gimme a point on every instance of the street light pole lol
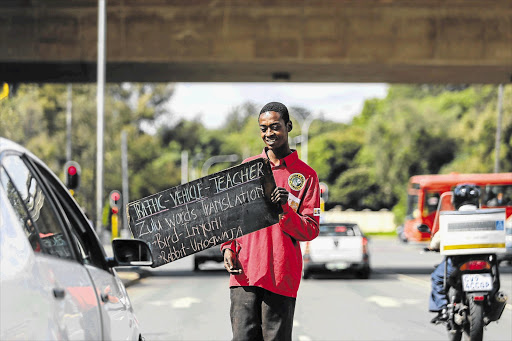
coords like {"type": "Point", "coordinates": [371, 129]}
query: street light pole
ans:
{"type": "Point", "coordinates": [100, 106]}
{"type": "Point", "coordinates": [498, 131]}
{"type": "Point", "coordinates": [304, 135]}
{"type": "Point", "coordinates": [216, 159]}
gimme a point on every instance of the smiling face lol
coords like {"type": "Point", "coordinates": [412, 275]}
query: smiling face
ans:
{"type": "Point", "coordinates": [274, 132]}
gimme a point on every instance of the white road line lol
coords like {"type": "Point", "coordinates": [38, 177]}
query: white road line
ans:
{"type": "Point", "coordinates": [405, 278]}
{"type": "Point", "coordinates": [184, 302]}
{"type": "Point", "coordinates": [304, 338]}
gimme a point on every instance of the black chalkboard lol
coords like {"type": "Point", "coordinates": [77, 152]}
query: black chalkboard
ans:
{"type": "Point", "coordinates": [195, 216]}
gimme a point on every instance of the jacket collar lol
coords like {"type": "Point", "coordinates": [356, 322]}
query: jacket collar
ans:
{"type": "Point", "coordinates": [287, 160]}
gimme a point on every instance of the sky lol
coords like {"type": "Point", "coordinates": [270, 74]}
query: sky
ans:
{"type": "Point", "coordinates": [213, 101]}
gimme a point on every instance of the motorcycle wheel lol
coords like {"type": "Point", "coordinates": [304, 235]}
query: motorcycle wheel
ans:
{"type": "Point", "coordinates": [474, 331]}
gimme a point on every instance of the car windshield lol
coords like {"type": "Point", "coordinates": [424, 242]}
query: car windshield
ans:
{"type": "Point", "coordinates": [338, 230]}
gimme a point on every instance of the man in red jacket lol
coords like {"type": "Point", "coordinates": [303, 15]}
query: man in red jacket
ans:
{"type": "Point", "coordinates": [266, 265]}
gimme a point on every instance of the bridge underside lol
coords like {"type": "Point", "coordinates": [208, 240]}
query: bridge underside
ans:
{"type": "Point", "coordinates": [254, 72]}
{"type": "Point", "coordinates": [395, 41]}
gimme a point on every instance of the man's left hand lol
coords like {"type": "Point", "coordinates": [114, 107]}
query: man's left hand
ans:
{"type": "Point", "coordinates": [279, 196]}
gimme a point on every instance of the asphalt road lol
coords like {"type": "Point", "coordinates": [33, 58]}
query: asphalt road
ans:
{"type": "Point", "coordinates": [174, 303]}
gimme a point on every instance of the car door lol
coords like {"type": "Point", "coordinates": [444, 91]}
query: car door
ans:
{"type": "Point", "coordinates": [74, 308]}
{"type": "Point", "coordinates": [118, 319]}
{"type": "Point", "coordinates": [25, 303]}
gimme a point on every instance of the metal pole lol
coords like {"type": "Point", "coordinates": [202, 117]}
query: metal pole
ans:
{"type": "Point", "coordinates": [498, 130]}
{"type": "Point", "coordinates": [68, 123]}
{"type": "Point", "coordinates": [100, 106]}
{"type": "Point", "coordinates": [305, 137]}
{"type": "Point", "coordinates": [126, 197]}
{"type": "Point", "coordinates": [216, 159]}
{"type": "Point", "coordinates": [184, 167]}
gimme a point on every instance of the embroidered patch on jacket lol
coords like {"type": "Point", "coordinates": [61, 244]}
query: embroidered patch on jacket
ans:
{"type": "Point", "coordinates": [293, 201]}
{"type": "Point", "coordinates": [316, 212]}
{"type": "Point", "coordinates": [296, 181]}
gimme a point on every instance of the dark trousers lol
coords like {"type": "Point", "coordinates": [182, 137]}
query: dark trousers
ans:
{"type": "Point", "coordinates": [438, 299]}
{"type": "Point", "coordinates": [258, 314]}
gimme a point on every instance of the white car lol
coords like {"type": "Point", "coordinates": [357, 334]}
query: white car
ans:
{"type": "Point", "coordinates": [56, 282]}
{"type": "Point", "coordinates": [339, 247]}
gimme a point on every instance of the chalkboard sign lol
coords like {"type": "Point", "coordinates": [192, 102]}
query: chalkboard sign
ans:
{"type": "Point", "coordinates": [195, 216]}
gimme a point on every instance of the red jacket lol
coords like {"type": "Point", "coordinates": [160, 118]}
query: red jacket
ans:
{"type": "Point", "coordinates": [271, 258]}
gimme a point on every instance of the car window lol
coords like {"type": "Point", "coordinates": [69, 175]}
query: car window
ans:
{"type": "Point", "coordinates": [20, 210]}
{"type": "Point", "coordinates": [337, 230]}
{"type": "Point", "coordinates": [82, 234]}
{"type": "Point", "coordinates": [40, 215]}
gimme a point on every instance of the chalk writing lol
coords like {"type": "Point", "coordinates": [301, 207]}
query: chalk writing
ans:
{"type": "Point", "coordinates": [206, 212]}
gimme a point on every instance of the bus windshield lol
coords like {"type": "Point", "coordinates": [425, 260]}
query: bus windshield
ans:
{"type": "Point", "coordinates": [494, 195]}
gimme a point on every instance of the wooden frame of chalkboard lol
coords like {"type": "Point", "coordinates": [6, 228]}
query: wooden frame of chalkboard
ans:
{"type": "Point", "coordinates": [209, 211]}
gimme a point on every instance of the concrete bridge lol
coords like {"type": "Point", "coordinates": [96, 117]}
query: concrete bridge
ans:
{"type": "Point", "coordinates": [408, 41]}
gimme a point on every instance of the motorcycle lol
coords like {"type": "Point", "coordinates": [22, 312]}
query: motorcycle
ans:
{"type": "Point", "coordinates": [473, 287]}
{"type": "Point", "coordinates": [474, 296]}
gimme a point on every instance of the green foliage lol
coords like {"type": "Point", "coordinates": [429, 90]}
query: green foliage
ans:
{"type": "Point", "coordinates": [415, 129]}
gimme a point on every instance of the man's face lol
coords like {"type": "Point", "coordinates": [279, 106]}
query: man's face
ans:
{"type": "Point", "coordinates": [273, 130]}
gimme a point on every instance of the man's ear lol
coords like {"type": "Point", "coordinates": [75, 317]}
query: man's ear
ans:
{"type": "Point", "coordinates": [290, 126]}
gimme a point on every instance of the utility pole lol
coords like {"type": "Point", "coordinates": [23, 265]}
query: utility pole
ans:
{"type": "Point", "coordinates": [184, 167]}
{"type": "Point", "coordinates": [69, 107]}
{"type": "Point", "coordinates": [498, 130]}
{"type": "Point", "coordinates": [100, 107]}
{"type": "Point", "coordinates": [124, 165]}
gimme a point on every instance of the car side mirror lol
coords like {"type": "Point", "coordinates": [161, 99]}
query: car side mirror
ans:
{"type": "Point", "coordinates": [131, 252]}
{"type": "Point", "coordinates": [424, 228]}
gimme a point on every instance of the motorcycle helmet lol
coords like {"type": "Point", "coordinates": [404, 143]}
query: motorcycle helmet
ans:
{"type": "Point", "coordinates": [466, 194]}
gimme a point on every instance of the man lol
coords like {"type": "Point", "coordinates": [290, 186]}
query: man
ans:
{"type": "Point", "coordinates": [466, 197]}
{"type": "Point", "coordinates": [266, 265]}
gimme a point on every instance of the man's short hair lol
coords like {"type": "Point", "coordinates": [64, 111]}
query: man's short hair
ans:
{"type": "Point", "coordinates": [277, 107]}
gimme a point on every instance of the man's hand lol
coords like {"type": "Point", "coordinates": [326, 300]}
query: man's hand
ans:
{"type": "Point", "coordinates": [230, 262]}
{"type": "Point", "coordinates": [279, 196]}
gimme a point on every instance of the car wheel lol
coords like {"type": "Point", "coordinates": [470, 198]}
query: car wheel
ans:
{"type": "Point", "coordinates": [306, 275]}
{"type": "Point", "coordinates": [363, 274]}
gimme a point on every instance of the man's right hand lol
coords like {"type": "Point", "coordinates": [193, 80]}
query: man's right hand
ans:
{"type": "Point", "coordinates": [230, 262]}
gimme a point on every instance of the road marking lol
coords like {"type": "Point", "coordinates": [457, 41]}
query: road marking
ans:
{"type": "Point", "coordinates": [184, 302]}
{"type": "Point", "coordinates": [304, 338]}
{"type": "Point", "coordinates": [385, 302]}
{"type": "Point", "coordinates": [420, 282]}
{"type": "Point", "coordinates": [390, 302]}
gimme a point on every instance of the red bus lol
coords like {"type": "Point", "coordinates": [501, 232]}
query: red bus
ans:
{"type": "Point", "coordinates": [423, 192]}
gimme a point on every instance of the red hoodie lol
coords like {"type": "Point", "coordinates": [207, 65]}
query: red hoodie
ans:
{"type": "Point", "coordinates": [271, 258]}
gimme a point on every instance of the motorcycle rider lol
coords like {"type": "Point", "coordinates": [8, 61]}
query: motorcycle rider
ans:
{"type": "Point", "coordinates": [466, 197]}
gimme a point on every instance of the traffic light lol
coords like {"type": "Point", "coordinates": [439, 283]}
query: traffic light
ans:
{"type": "Point", "coordinates": [72, 172]}
{"type": "Point", "coordinates": [115, 201]}
{"type": "Point", "coordinates": [324, 191]}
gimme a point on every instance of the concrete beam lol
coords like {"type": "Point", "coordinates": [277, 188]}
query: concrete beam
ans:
{"type": "Point", "coordinates": [396, 41]}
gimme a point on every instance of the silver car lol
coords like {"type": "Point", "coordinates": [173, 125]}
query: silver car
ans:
{"type": "Point", "coordinates": [56, 282]}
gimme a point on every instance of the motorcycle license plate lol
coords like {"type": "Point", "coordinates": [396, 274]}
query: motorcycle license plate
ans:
{"type": "Point", "coordinates": [476, 282]}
